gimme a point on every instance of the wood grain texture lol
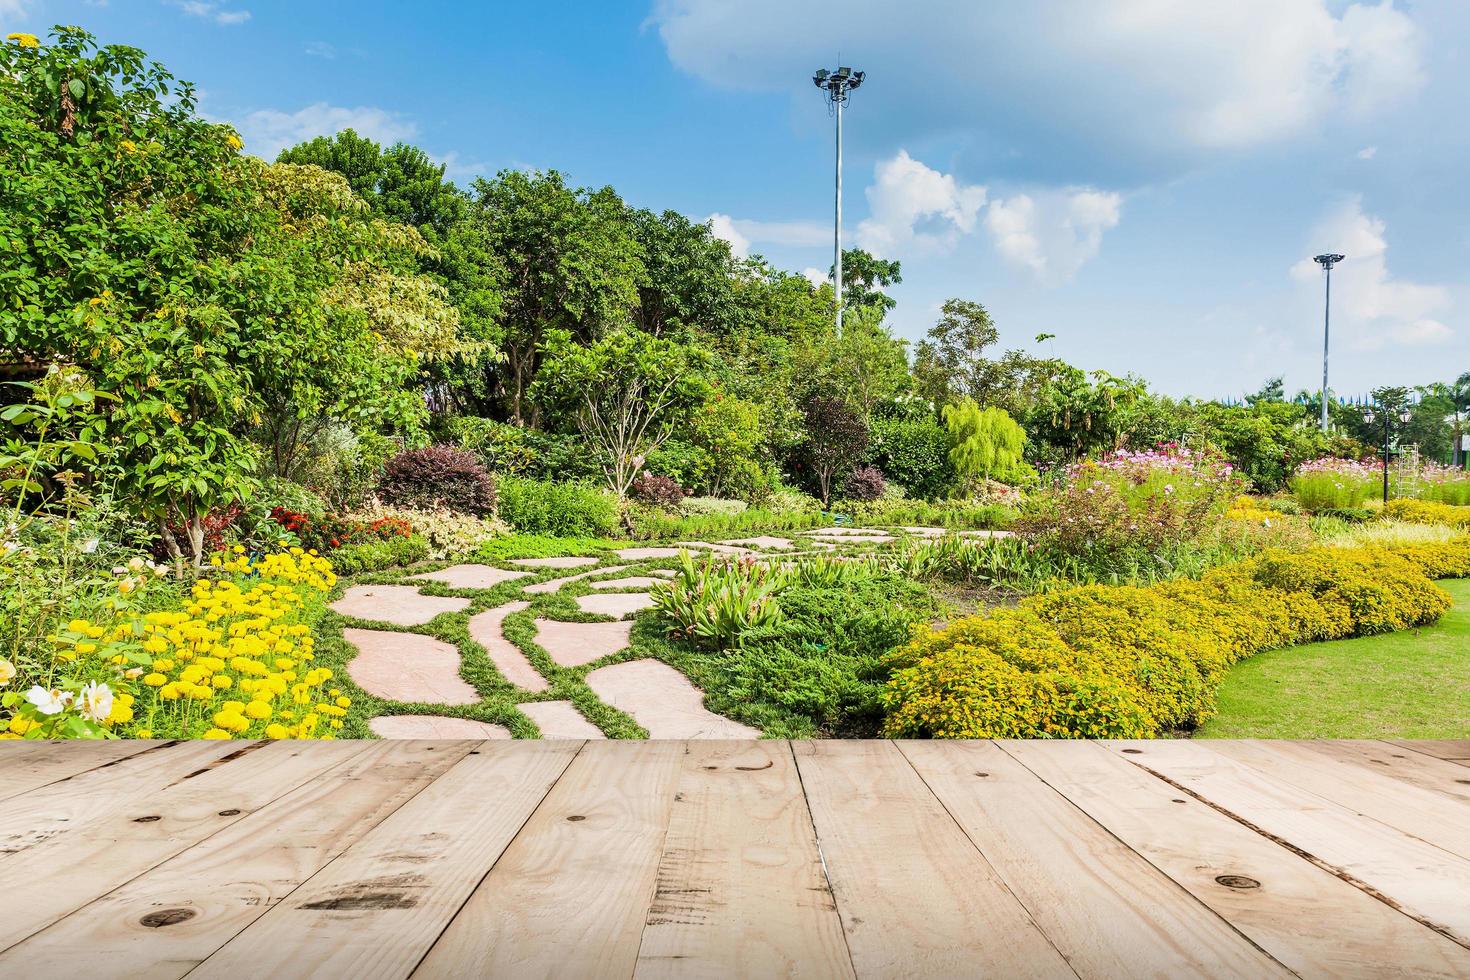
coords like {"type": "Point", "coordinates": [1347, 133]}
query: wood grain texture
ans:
{"type": "Point", "coordinates": [1313, 922]}
{"type": "Point", "coordinates": [570, 896]}
{"type": "Point", "coordinates": [25, 766]}
{"type": "Point", "coordinates": [916, 897]}
{"type": "Point", "coordinates": [377, 909]}
{"type": "Point", "coordinates": [740, 844]}
{"type": "Point", "coordinates": [1453, 749]}
{"type": "Point", "coordinates": [1405, 765]}
{"type": "Point", "coordinates": [1107, 910]}
{"type": "Point", "coordinates": [231, 879]}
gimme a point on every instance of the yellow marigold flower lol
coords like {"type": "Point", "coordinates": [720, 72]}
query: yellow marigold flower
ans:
{"type": "Point", "coordinates": [259, 710]}
{"type": "Point", "coordinates": [170, 692]}
{"type": "Point", "coordinates": [120, 714]}
{"type": "Point", "coordinates": [276, 731]}
{"type": "Point", "coordinates": [217, 733]}
{"type": "Point", "coordinates": [24, 40]}
{"type": "Point", "coordinates": [78, 625]}
{"type": "Point", "coordinates": [20, 726]}
{"type": "Point", "coordinates": [235, 142]}
{"type": "Point", "coordinates": [143, 733]}
{"type": "Point", "coordinates": [201, 693]}
{"type": "Point", "coordinates": [222, 682]}
{"type": "Point", "coordinates": [155, 679]}
{"type": "Point", "coordinates": [344, 702]}
{"type": "Point", "coordinates": [85, 648]}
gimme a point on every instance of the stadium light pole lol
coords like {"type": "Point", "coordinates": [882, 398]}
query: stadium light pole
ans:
{"type": "Point", "coordinates": [1326, 261]}
{"type": "Point", "coordinates": [837, 84]}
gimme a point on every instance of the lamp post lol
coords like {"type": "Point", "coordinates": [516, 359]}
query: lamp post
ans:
{"type": "Point", "coordinates": [1326, 261]}
{"type": "Point", "coordinates": [837, 84]}
{"type": "Point", "coordinates": [1404, 415]}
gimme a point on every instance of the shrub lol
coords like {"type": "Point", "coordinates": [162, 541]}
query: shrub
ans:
{"type": "Point", "coordinates": [864, 483]}
{"type": "Point", "coordinates": [374, 556]}
{"type": "Point", "coordinates": [714, 602]}
{"type": "Point", "coordinates": [648, 524]}
{"type": "Point", "coordinates": [914, 453]}
{"type": "Point", "coordinates": [446, 533]}
{"type": "Point", "coordinates": [539, 546]}
{"type": "Point", "coordinates": [438, 476]}
{"type": "Point", "coordinates": [500, 446]}
{"type": "Point", "coordinates": [285, 495]}
{"type": "Point", "coordinates": [656, 491]}
{"type": "Point", "coordinates": [1125, 661]}
{"type": "Point", "coordinates": [1427, 512]}
{"type": "Point", "coordinates": [960, 515]}
{"type": "Point", "coordinates": [837, 437]}
{"type": "Point", "coordinates": [1335, 484]}
{"type": "Point", "coordinates": [329, 532]}
{"type": "Point", "coordinates": [694, 506]}
{"type": "Point", "coordinates": [562, 509]}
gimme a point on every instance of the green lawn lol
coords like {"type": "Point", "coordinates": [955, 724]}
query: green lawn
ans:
{"type": "Point", "coordinates": [1414, 684]}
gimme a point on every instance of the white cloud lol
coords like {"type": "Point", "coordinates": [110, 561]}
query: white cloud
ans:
{"type": "Point", "coordinates": [915, 207]}
{"type": "Point", "coordinates": [14, 8]}
{"type": "Point", "coordinates": [1053, 233]}
{"type": "Point", "coordinates": [1370, 305]}
{"type": "Point", "coordinates": [742, 233]}
{"type": "Point", "coordinates": [1092, 91]}
{"type": "Point", "coordinates": [268, 131]}
{"type": "Point", "coordinates": [320, 49]}
{"type": "Point", "coordinates": [723, 226]}
{"type": "Point", "coordinates": [815, 276]}
{"type": "Point", "coordinates": [1367, 153]}
{"type": "Point", "coordinates": [212, 10]}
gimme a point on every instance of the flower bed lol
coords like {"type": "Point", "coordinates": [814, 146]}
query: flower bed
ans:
{"type": "Point", "coordinates": [1124, 662]}
{"type": "Point", "coordinates": [234, 662]}
{"type": "Point", "coordinates": [1427, 512]}
{"type": "Point", "coordinates": [1336, 484]}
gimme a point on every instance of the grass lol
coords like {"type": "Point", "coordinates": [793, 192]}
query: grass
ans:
{"type": "Point", "coordinates": [1413, 684]}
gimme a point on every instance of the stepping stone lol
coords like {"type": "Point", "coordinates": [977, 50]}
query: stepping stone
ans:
{"type": "Point", "coordinates": [556, 583]}
{"type": "Point", "coordinates": [838, 532]}
{"type": "Point", "coordinates": [663, 701]}
{"type": "Point", "coordinates": [615, 603]}
{"type": "Point", "coordinates": [857, 539]}
{"type": "Point", "coordinates": [723, 549]}
{"type": "Point", "coordinates": [560, 719]}
{"type": "Point", "coordinates": [765, 541]}
{"type": "Point", "coordinates": [433, 726]}
{"type": "Point", "coordinates": [567, 561]}
{"type": "Point", "coordinates": [485, 629]}
{"type": "Point", "coordinates": [927, 532]}
{"type": "Point", "coordinates": [987, 534]}
{"type": "Point", "coordinates": [401, 604]}
{"type": "Point", "coordinates": [470, 576]}
{"type": "Point", "coordinates": [631, 582]}
{"type": "Point", "coordinates": [407, 667]}
{"type": "Point", "coordinates": [575, 644]}
{"type": "Point", "coordinates": [639, 554]}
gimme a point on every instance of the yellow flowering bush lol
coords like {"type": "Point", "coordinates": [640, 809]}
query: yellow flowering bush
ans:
{"type": "Point", "coordinates": [1427, 512]}
{"type": "Point", "coordinates": [1125, 661]}
{"type": "Point", "coordinates": [234, 662]}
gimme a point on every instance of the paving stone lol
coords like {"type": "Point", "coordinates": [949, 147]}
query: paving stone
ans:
{"type": "Point", "coordinates": [987, 534]}
{"type": "Point", "coordinates": [486, 629]}
{"type": "Point", "coordinates": [639, 554]}
{"type": "Point", "coordinates": [407, 667]}
{"type": "Point", "coordinates": [631, 582]}
{"type": "Point", "coordinates": [857, 539]}
{"type": "Point", "coordinates": [765, 541]}
{"type": "Point", "coordinates": [560, 719]}
{"type": "Point", "coordinates": [401, 604]}
{"type": "Point", "coordinates": [615, 603]}
{"type": "Point", "coordinates": [553, 584]}
{"type": "Point", "coordinates": [723, 549]}
{"type": "Point", "coordinates": [574, 644]}
{"type": "Point", "coordinates": [433, 726]}
{"type": "Point", "coordinates": [838, 532]}
{"type": "Point", "coordinates": [927, 532]}
{"type": "Point", "coordinates": [470, 576]}
{"type": "Point", "coordinates": [566, 561]}
{"type": "Point", "coordinates": [663, 701]}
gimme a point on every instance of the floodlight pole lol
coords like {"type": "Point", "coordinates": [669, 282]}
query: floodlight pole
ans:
{"type": "Point", "coordinates": [1326, 261]}
{"type": "Point", "coordinates": [837, 84]}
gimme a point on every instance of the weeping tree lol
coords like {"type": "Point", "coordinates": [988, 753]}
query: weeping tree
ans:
{"type": "Point", "coordinates": [988, 443]}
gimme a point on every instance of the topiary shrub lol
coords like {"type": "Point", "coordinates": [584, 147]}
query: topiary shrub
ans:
{"type": "Point", "coordinates": [864, 483]}
{"type": "Point", "coordinates": [438, 476]}
{"type": "Point", "coordinates": [656, 491]}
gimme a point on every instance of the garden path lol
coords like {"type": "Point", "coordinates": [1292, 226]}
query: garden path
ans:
{"type": "Point", "coordinates": [551, 644]}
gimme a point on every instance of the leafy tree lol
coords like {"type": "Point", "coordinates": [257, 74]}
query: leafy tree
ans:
{"type": "Point", "coordinates": [864, 277]}
{"type": "Point", "coordinates": [951, 363]}
{"type": "Point", "coordinates": [1271, 390]}
{"type": "Point", "coordinates": [1077, 414]}
{"type": "Point", "coordinates": [628, 391]}
{"type": "Point", "coordinates": [912, 450]}
{"type": "Point", "coordinates": [866, 364]}
{"type": "Point", "coordinates": [571, 264]}
{"type": "Point", "coordinates": [731, 435]}
{"type": "Point", "coordinates": [836, 438]}
{"type": "Point", "coordinates": [988, 443]}
{"type": "Point", "coordinates": [689, 275]}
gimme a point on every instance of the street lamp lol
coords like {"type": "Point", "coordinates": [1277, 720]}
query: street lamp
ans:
{"type": "Point", "coordinates": [1404, 415]}
{"type": "Point", "coordinates": [1326, 261]}
{"type": "Point", "coordinates": [837, 84]}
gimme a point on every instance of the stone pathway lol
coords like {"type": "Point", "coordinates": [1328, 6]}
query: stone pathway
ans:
{"type": "Point", "coordinates": [485, 629]}
{"type": "Point", "coordinates": [642, 554]}
{"type": "Point", "coordinates": [575, 644]}
{"type": "Point", "coordinates": [434, 726]}
{"type": "Point", "coordinates": [663, 701]}
{"type": "Point", "coordinates": [765, 541]}
{"type": "Point", "coordinates": [560, 719]}
{"type": "Point", "coordinates": [567, 561]}
{"type": "Point", "coordinates": [631, 582]}
{"type": "Point", "coordinates": [407, 667]}
{"type": "Point", "coordinates": [469, 576]}
{"type": "Point", "coordinates": [615, 603]}
{"type": "Point", "coordinates": [400, 604]}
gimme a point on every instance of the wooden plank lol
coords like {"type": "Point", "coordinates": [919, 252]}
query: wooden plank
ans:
{"type": "Point", "coordinates": [740, 880]}
{"type": "Point", "coordinates": [80, 866]}
{"type": "Point", "coordinates": [218, 887]}
{"type": "Point", "coordinates": [1107, 910]}
{"type": "Point", "coordinates": [28, 765]}
{"type": "Point", "coordinates": [570, 895]}
{"type": "Point", "coordinates": [1406, 765]}
{"type": "Point", "coordinates": [1420, 879]}
{"type": "Point", "coordinates": [1420, 813]}
{"type": "Point", "coordinates": [1305, 917]}
{"type": "Point", "coordinates": [72, 805]}
{"type": "Point", "coordinates": [1449, 749]}
{"type": "Point", "coordinates": [376, 910]}
{"type": "Point", "coordinates": [915, 896]}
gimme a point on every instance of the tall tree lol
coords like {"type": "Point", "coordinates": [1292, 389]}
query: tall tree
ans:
{"type": "Point", "coordinates": [864, 279]}
{"type": "Point", "coordinates": [689, 282]}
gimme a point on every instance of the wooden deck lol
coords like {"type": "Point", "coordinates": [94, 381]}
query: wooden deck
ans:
{"type": "Point", "coordinates": [761, 859]}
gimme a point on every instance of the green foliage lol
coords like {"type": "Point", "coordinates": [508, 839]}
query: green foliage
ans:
{"type": "Point", "coordinates": [1427, 512]}
{"type": "Point", "coordinates": [913, 451]}
{"type": "Point", "coordinates": [987, 443]}
{"type": "Point", "coordinates": [713, 602]}
{"type": "Point", "coordinates": [865, 279]}
{"type": "Point", "coordinates": [655, 525]}
{"type": "Point", "coordinates": [374, 556]}
{"type": "Point", "coordinates": [562, 509]}
{"type": "Point", "coordinates": [960, 515]}
{"type": "Point", "coordinates": [836, 439]}
{"type": "Point", "coordinates": [730, 435]}
{"type": "Point", "coordinates": [502, 448]}
{"type": "Point", "coordinates": [539, 546]}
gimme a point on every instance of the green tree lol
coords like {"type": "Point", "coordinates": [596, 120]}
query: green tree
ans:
{"type": "Point", "coordinates": [732, 437]}
{"type": "Point", "coordinates": [864, 279]}
{"type": "Point", "coordinates": [866, 364]}
{"type": "Point", "coordinates": [988, 443]}
{"type": "Point", "coordinates": [836, 438]}
{"type": "Point", "coordinates": [689, 280]}
{"type": "Point", "coordinates": [628, 391]}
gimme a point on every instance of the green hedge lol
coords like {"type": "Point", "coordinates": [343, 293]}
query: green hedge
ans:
{"type": "Point", "coordinates": [1104, 661]}
{"type": "Point", "coordinates": [561, 509]}
{"type": "Point", "coordinates": [373, 556]}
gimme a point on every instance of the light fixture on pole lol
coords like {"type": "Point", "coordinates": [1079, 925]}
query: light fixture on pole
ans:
{"type": "Point", "coordinates": [837, 84]}
{"type": "Point", "coordinates": [1405, 416]}
{"type": "Point", "coordinates": [1326, 261]}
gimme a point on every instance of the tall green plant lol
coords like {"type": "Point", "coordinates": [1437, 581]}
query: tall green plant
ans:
{"type": "Point", "coordinates": [988, 443]}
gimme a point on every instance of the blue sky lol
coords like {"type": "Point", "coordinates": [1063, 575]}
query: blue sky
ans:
{"type": "Point", "coordinates": [1145, 180]}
